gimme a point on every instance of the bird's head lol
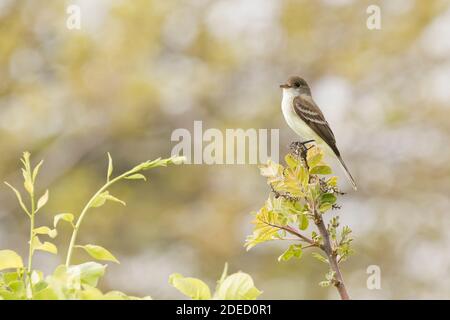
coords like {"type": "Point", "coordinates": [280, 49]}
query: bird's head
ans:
{"type": "Point", "coordinates": [296, 85]}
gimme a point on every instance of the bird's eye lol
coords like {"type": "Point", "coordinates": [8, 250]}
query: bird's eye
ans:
{"type": "Point", "coordinates": [297, 84]}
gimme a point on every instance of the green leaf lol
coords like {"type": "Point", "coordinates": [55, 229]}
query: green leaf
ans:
{"type": "Point", "coordinates": [47, 293]}
{"type": "Point", "coordinates": [42, 201]}
{"type": "Point", "coordinates": [304, 177]}
{"type": "Point", "coordinates": [62, 216]}
{"type": "Point", "coordinates": [36, 170]}
{"type": "Point", "coordinates": [46, 246]}
{"type": "Point", "coordinates": [52, 233]}
{"type": "Point", "coordinates": [41, 285]}
{"type": "Point", "coordinates": [89, 272]}
{"type": "Point", "coordinates": [19, 197]}
{"type": "Point", "coordinates": [320, 257]}
{"type": "Point", "coordinates": [110, 167]}
{"type": "Point", "coordinates": [238, 286]}
{"type": "Point", "coordinates": [136, 176]}
{"type": "Point", "coordinates": [291, 161]}
{"type": "Point", "coordinates": [303, 222]}
{"type": "Point", "coordinates": [18, 288]}
{"type": "Point", "coordinates": [9, 295]}
{"type": "Point", "coordinates": [91, 293]}
{"type": "Point", "coordinates": [117, 295]}
{"type": "Point", "coordinates": [148, 164]}
{"type": "Point", "coordinates": [28, 185]}
{"type": "Point", "coordinates": [69, 282]}
{"type": "Point", "coordinates": [8, 277]}
{"type": "Point", "coordinates": [9, 260]}
{"type": "Point", "coordinates": [332, 182]}
{"type": "Point", "coordinates": [294, 251]}
{"type": "Point", "coordinates": [14, 291]}
{"type": "Point", "coordinates": [321, 170]}
{"type": "Point", "coordinates": [26, 172]}
{"type": "Point", "coordinates": [112, 198]}
{"type": "Point", "coordinates": [99, 253]}
{"type": "Point", "coordinates": [263, 231]}
{"type": "Point", "coordinates": [324, 207]}
{"type": "Point", "coordinates": [101, 199]}
{"type": "Point", "coordinates": [328, 198]}
{"type": "Point", "coordinates": [190, 287]}
{"type": "Point", "coordinates": [315, 159]}
{"type": "Point", "coordinates": [159, 163]}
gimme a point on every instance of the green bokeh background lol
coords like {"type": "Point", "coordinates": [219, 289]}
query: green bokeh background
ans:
{"type": "Point", "coordinates": [139, 69]}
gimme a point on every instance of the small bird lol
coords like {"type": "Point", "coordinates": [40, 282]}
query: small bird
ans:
{"type": "Point", "coordinates": [306, 119]}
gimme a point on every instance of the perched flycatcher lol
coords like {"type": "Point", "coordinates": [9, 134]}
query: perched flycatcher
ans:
{"type": "Point", "coordinates": [304, 117]}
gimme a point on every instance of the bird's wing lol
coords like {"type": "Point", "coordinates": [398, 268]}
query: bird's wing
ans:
{"type": "Point", "coordinates": [310, 113]}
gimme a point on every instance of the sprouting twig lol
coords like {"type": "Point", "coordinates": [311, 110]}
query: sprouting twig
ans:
{"type": "Point", "coordinates": [293, 231]}
{"type": "Point", "coordinates": [286, 196]}
{"type": "Point", "coordinates": [304, 195]}
{"type": "Point", "coordinates": [327, 247]}
{"type": "Point", "coordinates": [332, 256]}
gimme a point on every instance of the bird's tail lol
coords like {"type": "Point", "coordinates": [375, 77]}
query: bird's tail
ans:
{"type": "Point", "coordinates": [347, 172]}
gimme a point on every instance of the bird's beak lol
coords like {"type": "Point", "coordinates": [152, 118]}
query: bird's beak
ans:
{"type": "Point", "coordinates": [284, 86]}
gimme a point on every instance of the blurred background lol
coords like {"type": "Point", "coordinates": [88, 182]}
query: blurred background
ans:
{"type": "Point", "coordinates": [137, 70]}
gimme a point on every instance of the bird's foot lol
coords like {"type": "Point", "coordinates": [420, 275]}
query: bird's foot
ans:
{"type": "Point", "coordinates": [299, 147]}
{"type": "Point", "coordinates": [300, 150]}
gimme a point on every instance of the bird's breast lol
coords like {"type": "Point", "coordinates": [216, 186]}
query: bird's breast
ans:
{"type": "Point", "coordinates": [293, 120]}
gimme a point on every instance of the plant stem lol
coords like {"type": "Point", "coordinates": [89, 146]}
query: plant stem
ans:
{"type": "Point", "coordinates": [85, 210]}
{"type": "Point", "coordinates": [293, 232]}
{"type": "Point", "coordinates": [332, 256]}
{"type": "Point", "coordinates": [30, 250]}
{"type": "Point", "coordinates": [327, 246]}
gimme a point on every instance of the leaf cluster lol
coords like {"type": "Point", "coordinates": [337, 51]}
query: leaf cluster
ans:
{"type": "Point", "coordinates": [237, 286]}
{"type": "Point", "coordinates": [301, 193]}
{"type": "Point", "coordinates": [18, 281]}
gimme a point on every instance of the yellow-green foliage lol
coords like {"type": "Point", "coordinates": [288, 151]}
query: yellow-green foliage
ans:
{"type": "Point", "coordinates": [237, 286]}
{"type": "Point", "coordinates": [301, 193]}
{"type": "Point", "coordinates": [67, 281]}
{"type": "Point", "coordinates": [80, 281]}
